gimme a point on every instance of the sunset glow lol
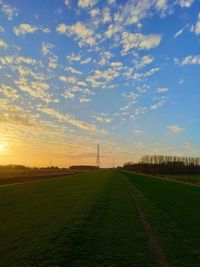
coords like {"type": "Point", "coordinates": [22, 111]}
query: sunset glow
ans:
{"type": "Point", "coordinates": [2, 147]}
{"type": "Point", "coordinates": [122, 74]}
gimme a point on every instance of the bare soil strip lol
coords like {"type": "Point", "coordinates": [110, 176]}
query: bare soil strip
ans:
{"type": "Point", "coordinates": [153, 241]}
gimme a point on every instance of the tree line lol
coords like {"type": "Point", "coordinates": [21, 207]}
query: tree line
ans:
{"type": "Point", "coordinates": [161, 164]}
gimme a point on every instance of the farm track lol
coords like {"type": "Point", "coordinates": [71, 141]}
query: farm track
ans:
{"type": "Point", "coordinates": [153, 240]}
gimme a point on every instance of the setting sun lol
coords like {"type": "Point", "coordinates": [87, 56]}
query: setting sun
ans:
{"type": "Point", "coordinates": [3, 146]}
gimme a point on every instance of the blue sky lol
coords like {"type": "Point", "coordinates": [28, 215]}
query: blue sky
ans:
{"type": "Point", "coordinates": [124, 74]}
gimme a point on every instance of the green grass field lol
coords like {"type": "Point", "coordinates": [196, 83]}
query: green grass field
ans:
{"type": "Point", "coordinates": [173, 210]}
{"type": "Point", "coordinates": [93, 220]}
{"type": "Point", "coordinates": [190, 178]}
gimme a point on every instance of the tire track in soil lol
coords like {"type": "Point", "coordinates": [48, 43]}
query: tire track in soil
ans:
{"type": "Point", "coordinates": [153, 240]}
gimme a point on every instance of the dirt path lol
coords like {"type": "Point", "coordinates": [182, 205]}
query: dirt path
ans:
{"type": "Point", "coordinates": [153, 240]}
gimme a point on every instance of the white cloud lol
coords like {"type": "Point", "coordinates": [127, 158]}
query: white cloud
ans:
{"type": "Point", "coordinates": [67, 3]}
{"type": "Point", "coordinates": [102, 118]}
{"type": "Point", "coordinates": [46, 48]}
{"type": "Point", "coordinates": [116, 64]}
{"type": "Point", "coordinates": [8, 91]}
{"type": "Point", "coordinates": [157, 105]}
{"type": "Point", "coordinates": [107, 75]}
{"type": "Point", "coordinates": [84, 100]}
{"type": "Point", "coordinates": [180, 81]}
{"type": "Point", "coordinates": [196, 28]}
{"type": "Point", "coordinates": [86, 3]}
{"type": "Point", "coordinates": [137, 132]}
{"type": "Point", "coordinates": [3, 44]}
{"type": "Point", "coordinates": [74, 57]}
{"type": "Point", "coordinates": [69, 119]}
{"type": "Point", "coordinates": [73, 70]}
{"type": "Point", "coordinates": [138, 76]}
{"type": "Point", "coordinates": [191, 60]}
{"type": "Point", "coordinates": [94, 12]}
{"type": "Point", "coordinates": [179, 32]}
{"type": "Point", "coordinates": [24, 29]}
{"type": "Point", "coordinates": [68, 79]}
{"type": "Point", "coordinates": [161, 4]}
{"type": "Point", "coordinates": [81, 83]}
{"type": "Point", "coordinates": [105, 58]}
{"type": "Point", "coordinates": [175, 128]}
{"type": "Point", "coordinates": [139, 41]}
{"type": "Point", "coordinates": [144, 61]}
{"type": "Point", "coordinates": [26, 72]}
{"type": "Point", "coordinates": [86, 61]}
{"type": "Point", "coordinates": [85, 35]}
{"type": "Point", "coordinates": [45, 30]}
{"type": "Point", "coordinates": [162, 90]}
{"type": "Point", "coordinates": [17, 60]}
{"type": "Point", "coordinates": [68, 95]}
{"type": "Point", "coordinates": [53, 62]}
{"type": "Point", "coordinates": [185, 3]}
{"type": "Point", "coordinates": [36, 89]}
{"type": "Point", "coordinates": [106, 15]}
{"type": "Point", "coordinates": [9, 11]}
{"type": "Point", "coordinates": [134, 10]}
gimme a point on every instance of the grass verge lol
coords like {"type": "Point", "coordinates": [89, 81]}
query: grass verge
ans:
{"type": "Point", "coordinates": [173, 210]}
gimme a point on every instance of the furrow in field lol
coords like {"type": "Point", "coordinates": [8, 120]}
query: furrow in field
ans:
{"type": "Point", "coordinates": [153, 240]}
{"type": "Point", "coordinates": [173, 211]}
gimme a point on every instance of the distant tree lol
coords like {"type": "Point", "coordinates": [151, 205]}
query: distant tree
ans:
{"type": "Point", "coordinates": [161, 164]}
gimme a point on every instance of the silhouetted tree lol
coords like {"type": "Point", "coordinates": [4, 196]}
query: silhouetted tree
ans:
{"type": "Point", "coordinates": [161, 164]}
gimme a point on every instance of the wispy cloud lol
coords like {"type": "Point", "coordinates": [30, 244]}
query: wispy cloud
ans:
{"type": "Point", "coordinates": [139, 41]}
{"type": "Point", "coordinates": [175, 128]}
{"type": "Point", "coordinates": [86, 3]}
{"type": "Point", "coordinates": [84, 34]}
{"type": "Point", "coordinates": [185, 3]}
{"type": "Point", "coordinates": [191, 60]}
{"type": "Point", "coordinates": [25, 28]}
{"type": "Point", "coordinates": [162, 90]}
{"type": "Point", "coordinates": [196, 27]}
{"type": "Point", "coordinates": [69, 119]}
{"type": "Point", "coordinates": [3, 44]}
{"type": "Point", "coordinates": [9, 11]}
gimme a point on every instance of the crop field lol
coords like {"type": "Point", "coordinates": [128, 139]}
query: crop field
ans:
{"type": "Point", "coordinates": [103, 218]}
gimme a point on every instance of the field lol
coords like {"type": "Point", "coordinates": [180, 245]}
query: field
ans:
{"type": "Point", "coordinates": [9, 176]}
{"type": "Point", "coordinates": [104, 218]}
{"type": "Point", "coordinates": [189, 178]}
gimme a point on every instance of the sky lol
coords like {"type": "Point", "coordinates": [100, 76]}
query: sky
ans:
{"type": "Point", "coordinates": [121, 74]}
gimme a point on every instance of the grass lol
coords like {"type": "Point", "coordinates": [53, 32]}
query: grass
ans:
{"type": "Point", "coordinates": [190, 178]}
{"type": "Point", "coordinates": [17, 176]}
{"type": "Point", "coordinates": [173, 210]}
{"type": "Point", "coordinates": [92, 220]}
{"type": "Point", "coordinates": [80, 220]}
